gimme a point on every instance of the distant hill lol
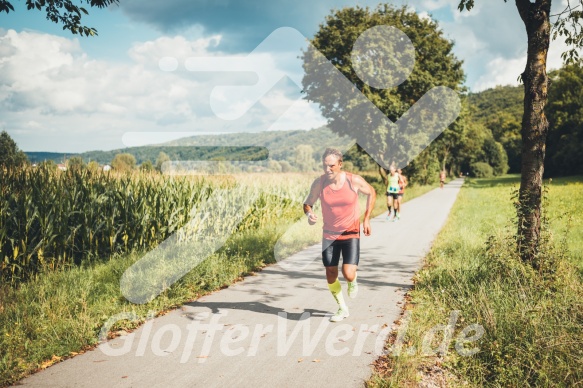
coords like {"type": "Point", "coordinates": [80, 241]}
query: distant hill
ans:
{"type": "Point", "coordinates": [37, 157]}
{"type": "Point", "coordinates": [277, 145]}
{"type": "Point", "coordinates": [180, 152]}
{"type": "Point", "coordinates": [281, 144]}
{"type": "Point", "coordinates": [500, 109]}
{"type": "Point", "coordinates": [489, 103]}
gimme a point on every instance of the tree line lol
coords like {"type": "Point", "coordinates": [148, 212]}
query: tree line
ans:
{"type": "Point", "coordinates": [484, 141]}
{"type": "Point", "coordinates": [500, 110]}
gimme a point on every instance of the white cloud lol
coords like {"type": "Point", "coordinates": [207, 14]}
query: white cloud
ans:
{"type": "Point", "coordinates": [424, 15]}
{"type": "Point", "coordinates": [54, 97]}
{"type": "Point", "coordinates": [489, 31]}
{"type": "Point", "coordinates": [432, 5]}
{"type": "Point", "coordinates": [494, 45]}
{"type": "Point", "coordinates": [491, 39]}
{"type": "Point", "coordinates": [33, 124]}
{"type": "Point", "coordinates": [501, 71]}
{"type": "Point", "coordinates": [554, 60]}
{"type": "Point", "coordinates": [148, 53]}
{"type": "Point", "coordinates": [300, 111]}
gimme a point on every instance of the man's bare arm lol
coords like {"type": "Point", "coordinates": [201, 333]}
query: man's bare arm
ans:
{"type": "Point", "coordinates": [310, 200]}
{"type": "Point", "coordinates": [366, 189]}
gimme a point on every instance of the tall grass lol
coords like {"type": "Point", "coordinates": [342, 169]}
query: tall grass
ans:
{"type": "Point", "coordinates": [533, 319]}
{"type": "Point", "coordinates": [51, 219]}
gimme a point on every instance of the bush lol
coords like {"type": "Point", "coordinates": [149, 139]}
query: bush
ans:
{"type": "Point", "coordinates": [124, 162]}
{"type": "Point", "coordinates": [481, 170]}
{"type": "Point", "coordinates": [496, 156]}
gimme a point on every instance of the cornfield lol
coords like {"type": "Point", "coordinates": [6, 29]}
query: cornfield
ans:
{"type": "Point", "coordinates": [51, 219]}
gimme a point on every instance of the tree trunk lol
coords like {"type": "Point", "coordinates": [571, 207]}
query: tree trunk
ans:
{"type": "Point", "coordinates": [445, 156]}
{"type": "Point", "coordinates": [383, 174]}
{"type": "Point", "coordinates": [534, 125]}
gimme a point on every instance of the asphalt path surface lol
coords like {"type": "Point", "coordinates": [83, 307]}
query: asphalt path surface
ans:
{"type": "Point", "coordinates": [273, 329]}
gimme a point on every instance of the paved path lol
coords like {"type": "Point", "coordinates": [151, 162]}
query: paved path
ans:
{"type": "Point", "coordinates": [272, 329]}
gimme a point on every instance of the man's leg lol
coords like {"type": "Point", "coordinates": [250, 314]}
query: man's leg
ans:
{"type": "Point", "coordinates": [389, 204]}
{"type": "Point", "coordinates": [399, 201]}
{"type": "Point", "coordinates": [350, 258]}
{"type": "Point", "coordinates": [349, 272]}
{"type": "Point", "coordinates": [330, 258]}
{"type": "Point", "coordinates": [331, 274]}
{"type": "Point", "coordinates": [395, 202]}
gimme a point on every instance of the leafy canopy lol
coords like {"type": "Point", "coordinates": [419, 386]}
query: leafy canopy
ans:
{"type": "Point", "coordinates": [347, 113]}
{"type": "Point", "coordinates": [435, 64]}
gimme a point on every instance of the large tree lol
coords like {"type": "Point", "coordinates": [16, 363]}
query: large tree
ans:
{"type": "Point", "coordinates": [432, 65]}
{"type": "Point", "coordinates": [64, 12]}
{"type": "Point", "coordinates": [540, 26]}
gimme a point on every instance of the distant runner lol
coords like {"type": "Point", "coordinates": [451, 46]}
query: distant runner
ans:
{"type": "Point", "coordinates": [338, 194]}
{"type": "Point", "coordinates": [392, 192]}
{"type": "Point", "coordinates": [403, 182]}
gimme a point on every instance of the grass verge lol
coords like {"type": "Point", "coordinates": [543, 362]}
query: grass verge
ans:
{"type": "Point", "coordinates": [60, 314]}
{"type": "Point", "coordinates": [532, 321]}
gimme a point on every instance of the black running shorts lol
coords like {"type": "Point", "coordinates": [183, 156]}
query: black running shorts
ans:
{"type": "Point", "coordinates": [331, 250]}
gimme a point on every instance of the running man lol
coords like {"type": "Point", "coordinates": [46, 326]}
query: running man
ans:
{"type": "Point", "coordinates": [441, 178]}
{"type": "Point", "coordinates": [392, 192]}
{"type": "Point", "coordinates": [338, 194]}
{"type": "Point", "coordinates": [403, 182]}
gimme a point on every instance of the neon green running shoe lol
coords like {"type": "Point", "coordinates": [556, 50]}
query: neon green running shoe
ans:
{"type": "Point", "coordinates": [340, 315]}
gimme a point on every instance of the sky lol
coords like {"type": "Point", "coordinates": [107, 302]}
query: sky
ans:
{"type": "Point", "coordinates": [155, 71]}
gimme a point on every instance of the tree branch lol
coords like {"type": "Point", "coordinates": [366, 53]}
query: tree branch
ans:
{"type": "Point", "coordinates": [568, 9]}
{"type": "Point", "coordinates": [523, 7]}
{"type": "Point", "coordinates": [63, 12]}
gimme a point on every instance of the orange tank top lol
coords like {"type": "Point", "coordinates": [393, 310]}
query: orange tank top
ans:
{"type": "Point", "coordinates": [340, 211]}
